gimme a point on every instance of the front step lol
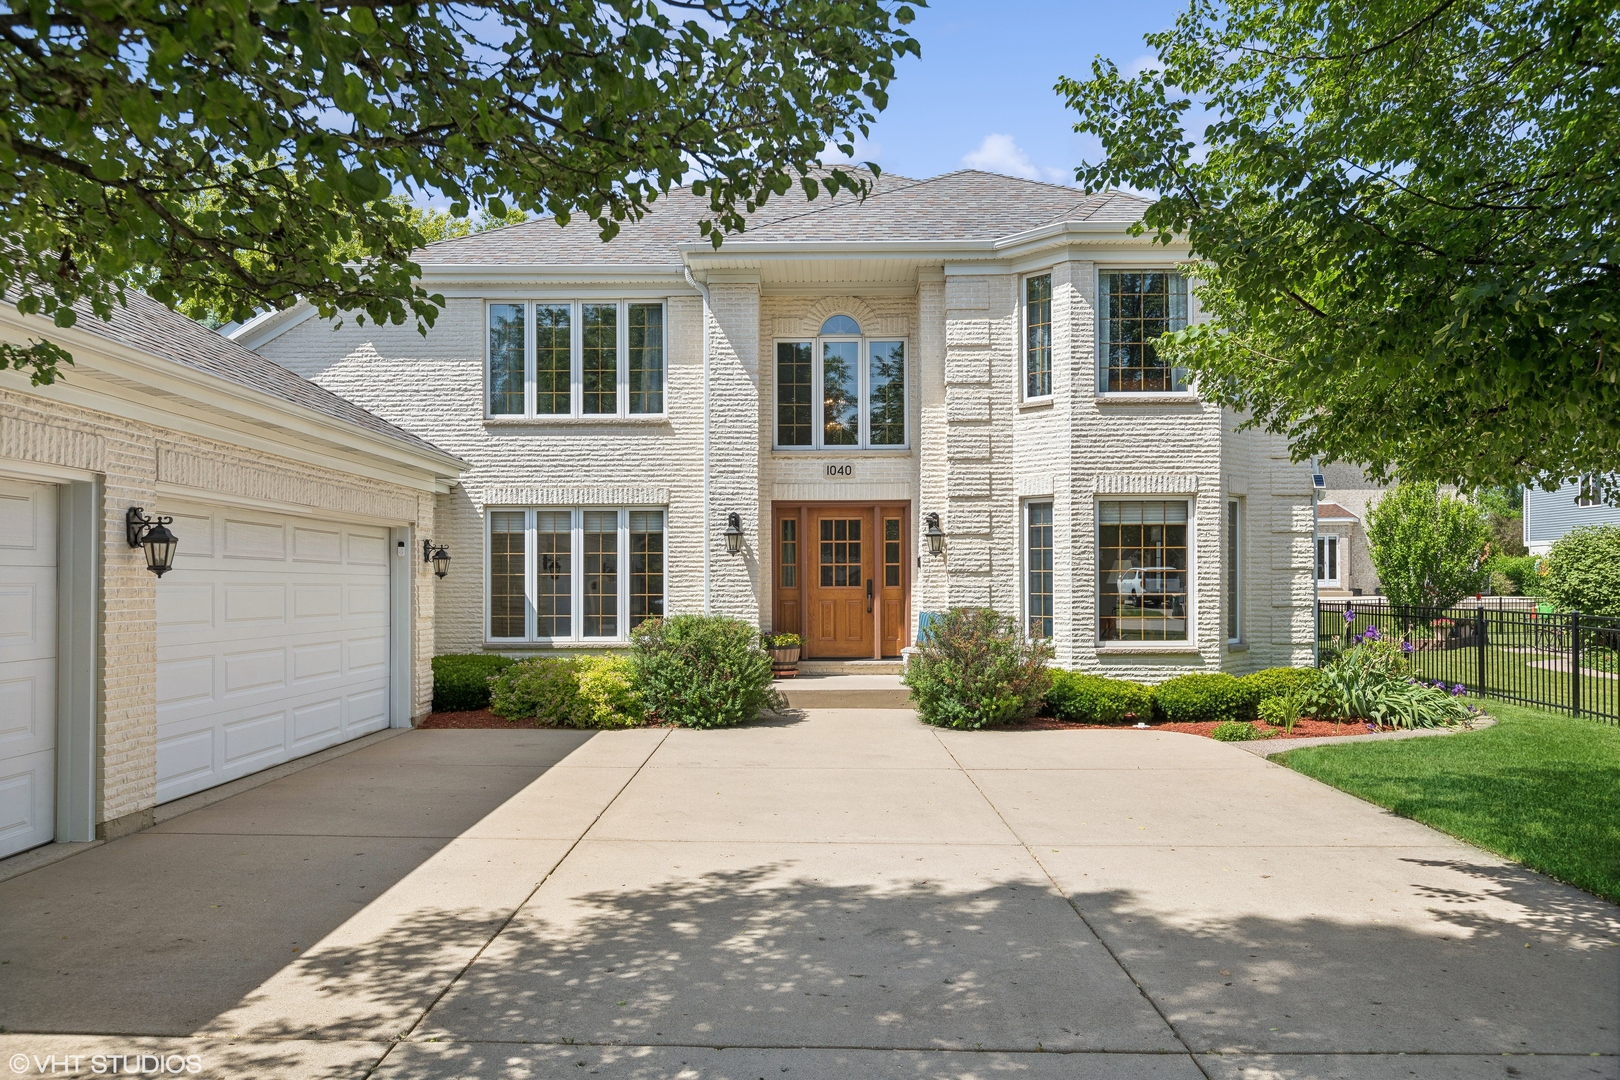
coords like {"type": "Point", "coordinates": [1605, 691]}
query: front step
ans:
{"type": "Point", "coordinates": [851, 667]}
{"type": "Point", "coordinates": [864, 691]}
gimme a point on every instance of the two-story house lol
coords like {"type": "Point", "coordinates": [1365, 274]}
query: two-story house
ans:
{"type": "Point", "coordinates": [788, 428]}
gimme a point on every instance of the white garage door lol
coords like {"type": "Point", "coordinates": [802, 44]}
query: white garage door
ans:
{"type": "Point", "coordinates": [27, 666]}
{"type": "Point", "coordinates": [272, 643]}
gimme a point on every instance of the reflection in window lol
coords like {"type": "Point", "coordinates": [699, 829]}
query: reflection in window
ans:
{"type": "Point", "coordinates": [507, 605]}
{"type": "Point", "coordinates": [793, 393]}
{"type": "Point", "coordinates": [841, 393]}
{"type": "Point", "coordinates": [891, 553]}
{"type": "Point", "coordinates": [599, 356]}
{"type": "Point", "coordinates": [601, 573]}
{"type": "Point", "coordinates": [554, 556]}
{"type": "Point", "coordinates": [840, 552]}
{"type": "Point", "coordinates": [1136, 307]}
{"type": "Point", "coordinates": [1142, 570]}
{"type": "Point", "coordinates": [789, 557]}
{"type": "Point", "coordinates": [886, 393]}
{"type": "Point", "coordinates": [646, 358]}
{"type": "Point", "coordinates": [1038, 569]}
{"type": "Point", "coordinates": [505, 359]}
{"type": "Point", "coordinates": [646, 566]}
{"type": "Point", "coordinates": [553, 349]}
{"type": "Point", "coordinates": [1038, 336]}
{"type": "Point", "coordinates": [841, 324]}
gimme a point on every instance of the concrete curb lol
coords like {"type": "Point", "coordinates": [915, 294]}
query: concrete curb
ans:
{"type": "Point", "coordinates": [1268, 747]}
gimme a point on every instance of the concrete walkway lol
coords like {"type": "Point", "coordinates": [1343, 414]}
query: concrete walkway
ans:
{"type": "Point", "coordinates": [838, 894]}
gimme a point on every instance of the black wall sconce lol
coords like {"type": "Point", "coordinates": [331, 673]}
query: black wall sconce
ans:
{"type": "Point", "coordinates": [153, 534]}
{"type": "Point", "coordinates": [438, 555]}
{"type": "Point", "coordinates": [733, 534]}
{"type": "Point", "coordinates": [936, 535]}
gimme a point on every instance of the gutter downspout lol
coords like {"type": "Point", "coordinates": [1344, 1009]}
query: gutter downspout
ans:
{"type": "Point", "coordinates": [708, 306]}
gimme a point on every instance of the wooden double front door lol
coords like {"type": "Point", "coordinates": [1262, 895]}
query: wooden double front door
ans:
{"type": "Point", "coordinates": [843, 579]}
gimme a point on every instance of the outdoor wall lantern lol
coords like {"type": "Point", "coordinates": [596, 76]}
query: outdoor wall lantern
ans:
{"type": "Point", "coordinates": [733, 534]}
{"type": "Point", "coordinates": [438, 555]}
{"type": "Point", "coordinates": [153, 534]}
{"type": "Point", "coordinates": [936, 535]}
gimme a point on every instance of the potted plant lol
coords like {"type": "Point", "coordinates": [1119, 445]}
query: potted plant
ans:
{"type": "Point", "coordinates": [784, 649]}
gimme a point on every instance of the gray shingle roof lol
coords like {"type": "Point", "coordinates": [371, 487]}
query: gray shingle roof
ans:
{"type": "Point", "coordinates": [966, 205]}
{"type": "Point", "coordinates": [147, 325]}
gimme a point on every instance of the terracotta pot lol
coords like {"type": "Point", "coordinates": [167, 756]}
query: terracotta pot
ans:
{"type": "Point", "coordinates": [785, 662]}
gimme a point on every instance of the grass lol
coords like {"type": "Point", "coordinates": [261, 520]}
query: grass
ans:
{"type": "Point", "coordinates": [1538, 788]}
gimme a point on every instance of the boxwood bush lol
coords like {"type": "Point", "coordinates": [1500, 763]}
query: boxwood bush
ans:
{"type": "Point", "coordinates": [1279, 682]}
{"type": "Point", "coordinates": [977, 669]}
{"type": "Point", "coordinates": [701, 671]}
{"type": "Point", "coordinates": [1092, 699]}
{"type": "Point", "coordinates": [1204, 696]}
{"type": "Point", "coordinates": [461, 680]}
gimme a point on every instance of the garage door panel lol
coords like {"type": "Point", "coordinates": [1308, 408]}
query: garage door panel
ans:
{"type": "Point", "coordinates": [255, 603]}
{"type": "Point", "coordinates": [368, 600]}
{"type": "Point", "coordinates": [27, 707]}
{"type": "Point", "coordinates": [27, 524]}
{"type": "Point", "coordinates": [196, 535]}
{"type": "Point", "coordinates": [366, 712]}
{"type": "Point", "coordinates": [185, 680]}
{"type": "Point", "coordinates": [317, 546]}
{"type": "Point", "coordinates": [368, 656]}
{"type": "Point", "coordinates": [254, 540]}
{"type": "Point", "coordinates": [257, 670]}
{"type": "Point", "coordinates": [368, 549]}
{"type": "Point", "coordinates": [185, 757]}
{"type": "Point", "coordinates": [27, 801]}
{"type": "Point", "coordinates": [318, 720]}
{"type": "Point", "coordinates": [186, 605]}
{"type": "Point", "coordinates": [27, 613]}
{"type": "Point", "coordinates": [313, 603]}
{"type": "Point", "coordinates": [320, 661]}
{"type": "Point", "coordinates": [254, 740]}
{"type": "Point", "coordinates": [27, 665]}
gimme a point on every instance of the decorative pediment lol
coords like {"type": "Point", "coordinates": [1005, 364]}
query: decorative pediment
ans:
{"type": "Point", "coordinates": [871, 323]}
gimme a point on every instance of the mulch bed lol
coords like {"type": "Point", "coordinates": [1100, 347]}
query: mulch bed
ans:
{"type": "Point", "coordinates": [1303, 729]}
{"type": "Point", "coordinates": [477, 718]}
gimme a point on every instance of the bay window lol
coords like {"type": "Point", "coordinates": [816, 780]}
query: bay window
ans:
{"type": "Point", "coordinates": [576, 358]}
{"type": "Point", "coordinates": [841, 390]}
{"type": "Point", "coordinates": [1142, 570]}
{"type": "Point", "coordinates": [1133, 308]}
{"type": "Point", "coordinates": [588, 574]}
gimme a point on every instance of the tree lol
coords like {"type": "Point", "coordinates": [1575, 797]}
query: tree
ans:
{"type": "Point", "coordinates": [1428, 548]}
{"type": "Point", "coordinates": [232, 155]}
{"type": "Point", "coordinates": [1583, 570]}
{"type": "Point", "coordinates": [1408, 212]}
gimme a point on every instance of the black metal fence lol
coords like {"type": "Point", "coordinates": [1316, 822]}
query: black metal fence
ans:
{"type": "Point", "coordinates": [1564, 661]}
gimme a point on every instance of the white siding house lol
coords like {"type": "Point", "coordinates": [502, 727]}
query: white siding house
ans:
{"type": "Point", "coordinates": [972, 346]}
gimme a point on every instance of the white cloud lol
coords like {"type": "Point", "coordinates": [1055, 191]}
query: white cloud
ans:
{"type": "Point", "coordinates": [1002, 154]}
{"type": "Point", "coordinates": [865, 150]}
{"type": "Point", "coordinates": [1144, 63]}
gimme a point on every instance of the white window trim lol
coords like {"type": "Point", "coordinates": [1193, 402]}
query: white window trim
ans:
{"type": "Point", "coordinates": [1234, 503]}
{"type": "Point", "coordinates": [1023, 340]}
{"type": "Point", "coordinates": [818, 423]}
{"type": "Point", "coordinates": [1100, 375]}
{"type": "Point", "coordinates": [576, 379]}
{"type": "Point", "coordinates": [1177, 645]}
{"type": "Point", "coordinates": [1331, 540]}
{"type": "Point", "coordinates": [1023, 560]}
{"type": "Point", "coordinates": [576, 583]}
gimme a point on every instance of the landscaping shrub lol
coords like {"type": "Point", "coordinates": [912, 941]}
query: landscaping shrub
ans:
{"type": "Point", "coordinates": [1278, 682]}
{"type": "Point", "coordinates": [977, 669]}
{"type": "Point", "coordinates": [1204, 696]}
{"type": "Point", "coordinates": [1092, 699]}
{"type": "Point", "coordinates": [1583, 570]}
{"type": "Point", "coordinates": [1426, 546]}
{"type": "Point", "coordinates": [1238, 731]}
{"type": "Point", "coordinates": [461, 680]}
{"type": "Point", "coordinates": [608, 689]}
{"type": "Point", "coordinates": [545, 690]}
{"type": "Point", "coordinates": [1283, 712]}
{"type": "Point", "coordinates": [701, 671]}
{"type": "Point", "coordinates": [1372, 681]}
{"type": "Point", "coordinates": [1514, 575]}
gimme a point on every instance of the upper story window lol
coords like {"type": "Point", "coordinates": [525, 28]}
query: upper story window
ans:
{"type": "Point", "coordinates": [841, 390]}
{"type": "Point", "coordinates": [576, 358]}
{"type": "Point", "coordinates": [1134, 307]}
{"type": "Point", "coordinates": [1038, 336]}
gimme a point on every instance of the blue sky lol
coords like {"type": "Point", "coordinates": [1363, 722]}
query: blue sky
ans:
{"type": "Point", "coordinates": [981, 96]}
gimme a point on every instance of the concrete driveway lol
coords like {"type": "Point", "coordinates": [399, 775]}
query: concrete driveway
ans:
{"type": "Point", "coordinates": [842, 894]}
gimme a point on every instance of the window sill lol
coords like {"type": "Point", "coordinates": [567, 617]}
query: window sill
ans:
{"type": "Point", "coordinates": [843, 451]}
{"type": "Point", "coordinates": [550, 646]}
{"type": "Point", "coordinates": [1032, 404]}
{"type": "Point", "coordinates": [1147, 648]}
{"type": "Point", "coordinates": [1237, 646]}
{"type": "Point", "coordinates": [566, 421]}
{"type": "Point", "coordinates": [1148, 398]}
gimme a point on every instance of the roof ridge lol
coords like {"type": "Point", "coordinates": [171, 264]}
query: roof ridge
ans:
{"type": "Point", "coordinates": [829, 205]}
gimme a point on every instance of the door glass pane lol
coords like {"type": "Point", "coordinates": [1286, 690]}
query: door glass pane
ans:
{"type": "Point", "coordinates": [886, 383]}
{"type": "Point", "coordinates": [552, 360]}
{"type": "Point", "coordinates": [840, 552]}
{"type": "Point", "coordinates": [601, 573]}
{"type": "Point", "coordinates": [505, 359]}
{"type": "Point", "coordinates": [1038, 563]}
{"type": "Point", "coordinates": [793, 393]}
{"type": "Point", "coordinates": [841, 393]}
{"type": "Point", "coordinates": [891, 553]}
{"type": "Point", "coordinates": [1142, 570]}
{"type": "Point", "coordinates": [1038, 343]}
{"type": "Point", "coordinates": [554, 583]}
{"type": "Point", "coordinates": [506, 567]}
{"type": "Point", "coordinates": [646, 566]}
{"type": "Point", "coordinates": [790, 554]}
{"type": "Point", "coordinates": [599, 356]}
{"type": "Point", "coordinates": [646, 360]}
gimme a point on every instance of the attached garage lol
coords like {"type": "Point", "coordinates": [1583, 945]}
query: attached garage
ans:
{"type": "Point", "coordinates": [273, 643]}
{"type": "Point", "coordinates": [27, 665]}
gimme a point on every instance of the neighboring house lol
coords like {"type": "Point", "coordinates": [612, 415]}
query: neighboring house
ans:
{"type": "Point", "coordinates": [298, 613]}
{"type": "Point", "coordinates": [1548, 515]}
{"type": "Point", "coordinates": [1343, 559]}
{"type": "Point", "coordinates": [972, 346]}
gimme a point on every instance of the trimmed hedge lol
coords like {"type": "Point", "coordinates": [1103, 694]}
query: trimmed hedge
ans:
{"type": "Point", "coordinates": [570, 692]}
{"type": "Point", "coordinates": [1204, 696]}
{"type": "Point", "coordinates": [1093, 699]}
{"type": "Point", "coordinates": [461, 680]}
{"type": "Point", "coordinates": [1279, 682]}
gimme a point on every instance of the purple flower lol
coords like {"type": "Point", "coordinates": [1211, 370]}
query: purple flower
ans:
{"type": "Point", "coordinates": [1406, 647]}
{"type": "Point", "coordinates": [1371, 634]}
{"type": "Point", "coordinates": [1458, 690]}
{"type": "Point", "coordinates": [1349, 614]}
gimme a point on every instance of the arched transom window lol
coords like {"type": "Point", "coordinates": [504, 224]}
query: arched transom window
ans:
{"type": "Point", "coordinates": [841, 389]}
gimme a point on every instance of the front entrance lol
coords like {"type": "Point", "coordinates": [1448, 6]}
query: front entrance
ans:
{"type": "Point", "coordinates": [843, 583]}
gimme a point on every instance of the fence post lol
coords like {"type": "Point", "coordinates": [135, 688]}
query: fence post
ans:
{"type": "Point", "coordinates": [1479, 643]}
{"type": "Point", "coordinates": [1575, 661]}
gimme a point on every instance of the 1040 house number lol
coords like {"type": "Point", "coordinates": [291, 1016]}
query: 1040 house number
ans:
{"type": "Point", "coordinates": [839, 470]}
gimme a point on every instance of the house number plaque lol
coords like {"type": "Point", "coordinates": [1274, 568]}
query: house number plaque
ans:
{"type": "Point", "coordinates": [839, 470]}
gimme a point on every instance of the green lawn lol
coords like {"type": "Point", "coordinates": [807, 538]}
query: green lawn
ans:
{"type": "Point", "coordinates": [1538, 788]}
